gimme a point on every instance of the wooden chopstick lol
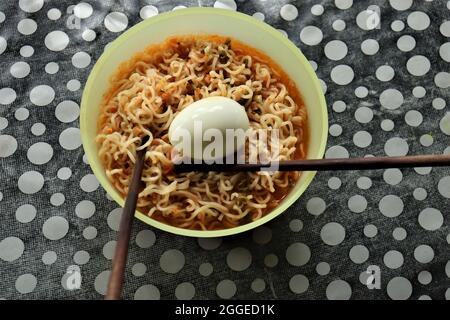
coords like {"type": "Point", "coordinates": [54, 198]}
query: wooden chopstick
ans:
{"type": "Point", "coordinates": [119, 262]}
{"type": "Point", "coordinates": [368, 163]}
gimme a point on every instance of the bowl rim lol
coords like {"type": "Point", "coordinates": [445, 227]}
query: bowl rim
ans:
{"type": "Point", "coordinates": [98, 168]}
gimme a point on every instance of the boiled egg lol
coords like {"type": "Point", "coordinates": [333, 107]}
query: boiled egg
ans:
{"type": "Point", "coordinates": [204, 130]}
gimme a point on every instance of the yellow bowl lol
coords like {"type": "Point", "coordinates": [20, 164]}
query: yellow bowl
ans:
{"type": "Point", "coordinates": [205, 21]}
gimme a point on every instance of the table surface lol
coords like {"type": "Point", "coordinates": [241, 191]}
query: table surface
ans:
{"type": "Point", "coordinates": [387, 88]}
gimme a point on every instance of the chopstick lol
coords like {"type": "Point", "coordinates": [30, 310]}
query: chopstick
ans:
{"type": "Point", "coordinates": [368, 163]}
{"type": "Point", "coordinates": [119, 262]}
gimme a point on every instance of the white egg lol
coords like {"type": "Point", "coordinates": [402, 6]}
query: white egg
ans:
{"type": "Point", "coordinates": [200, 130]}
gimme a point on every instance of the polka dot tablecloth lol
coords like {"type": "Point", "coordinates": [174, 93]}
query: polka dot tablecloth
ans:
{"type": "Point", "coordinates": [385, 68]}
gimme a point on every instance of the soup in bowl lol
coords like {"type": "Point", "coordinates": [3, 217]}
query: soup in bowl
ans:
{"type": "Point", "coordinates": [164, 65]}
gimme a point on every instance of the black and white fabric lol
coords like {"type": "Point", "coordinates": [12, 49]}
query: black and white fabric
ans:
{"type": "Point", "coordinates": [385, 68]}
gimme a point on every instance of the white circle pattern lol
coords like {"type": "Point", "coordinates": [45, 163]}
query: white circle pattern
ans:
{"type": "Point", "coordinates": [73, 206]}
